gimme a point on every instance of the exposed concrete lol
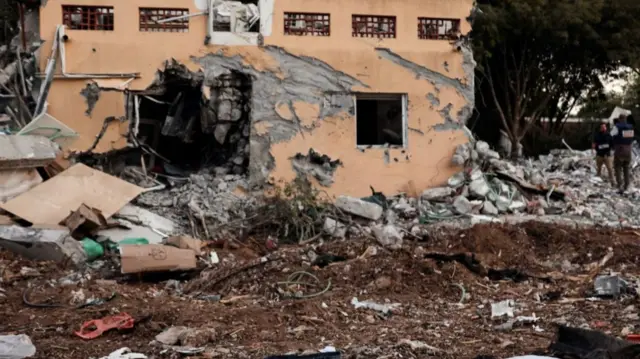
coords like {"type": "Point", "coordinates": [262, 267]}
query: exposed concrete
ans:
{"type": "Point", "coordinates": [321, 167]}
{"type": "Point", "coordinates": [24, 151]}
{"type": "Point", "coordinates": [437, 193]}
{"type": "Point", "coordinates": [303, 79]}
{"type": "Point", "coordinates": [435, 101]}
{"type": "Point", "coordinates": [42, 243]}
{"type": "Point", "coordinates": [463, 87]}
{"type": "Point", "coordinates": [359, 207]}
{"type": "Point", "coordinates": [91, 93]}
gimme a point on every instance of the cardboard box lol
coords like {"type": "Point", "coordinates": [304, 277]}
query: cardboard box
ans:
{"type": "Point", "coordinates": [185, 242]}
{"type": "Point", "coordinates": [155, 258]}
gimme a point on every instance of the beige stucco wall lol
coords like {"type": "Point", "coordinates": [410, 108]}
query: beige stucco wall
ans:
{"type": "Point", "coordinates": [425, 162]}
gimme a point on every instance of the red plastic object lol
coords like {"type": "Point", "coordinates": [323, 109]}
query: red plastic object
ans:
{"type": "Point", "coordinates": [94, 328]}
{"type": "Point", "coordinates": [634, 338]}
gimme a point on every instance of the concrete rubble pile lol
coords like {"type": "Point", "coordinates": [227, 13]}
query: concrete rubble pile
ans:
{"type": "Point", "coordinates": [561, 187]}
{"type": "Point", "coordinates": [562, 183]}
{"type": "Point", "coordinates": [208, 199]}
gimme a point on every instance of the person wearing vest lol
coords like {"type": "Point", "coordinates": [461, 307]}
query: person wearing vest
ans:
{"type": "Point", "coordinates": [602, 144]}
{"type": "Point", "coordinates": [623, 137]}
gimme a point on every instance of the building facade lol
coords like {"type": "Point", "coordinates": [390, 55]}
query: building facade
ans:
{"type": "Point", "coordinates": [350, 94]}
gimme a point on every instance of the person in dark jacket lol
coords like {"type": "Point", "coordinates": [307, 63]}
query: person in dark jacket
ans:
{"type": "Point", "coordinates": [623, 137]}
{"type": "Point", "coordinates": [602, 144]}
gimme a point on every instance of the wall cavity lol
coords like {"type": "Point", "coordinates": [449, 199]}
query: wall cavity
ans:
{"type": "Point", "coordinates": [91, 94]}
{"type": "Point", "coordinates": [302, 79]}
{"type": "Point", "coordinates": [320, 167]}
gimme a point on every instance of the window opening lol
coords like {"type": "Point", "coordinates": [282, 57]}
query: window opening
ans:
{"type": "Point", "coordinates": [438, 29]}
{"type": "Point", "coordinates": [373, 26]}
{"type": "Point", "coordinates": [236, 16]}
{"type": "Point", "coordinates": [380, 119]}
{"type": "Point", "coordinates": [88, 17]}
{"type": "Point", "coordinates": [164, 20]}
{"type": "Point", "coordinates": [307, 24]}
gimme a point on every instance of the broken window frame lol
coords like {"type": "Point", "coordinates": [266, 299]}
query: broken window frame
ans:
{"type": "Point", "coordinates": [370, 22]}
{"type": "Point", "coordinates": [383, 97]}
{"type": "Point", "coordinates": [154, 19]}
{"type": "Point", "coordinates": [92, 18]}
{"type": "Point", "coordinates": [451, 28]}
{"type": "Point", "coordinates": [309, 21]}
{"type": "Point", "coordinates": [214, 27]}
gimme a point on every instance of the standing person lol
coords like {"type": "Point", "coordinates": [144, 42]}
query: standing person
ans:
{"type": "Point", "coordinates": [623, 136]}
{"type": "Point", "coordinates": [602, 144]}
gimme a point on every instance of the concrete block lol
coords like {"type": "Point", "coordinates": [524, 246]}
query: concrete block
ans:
{"type": "Point", "coordinates": [53, 244]}
{"type": "Point", "coordinates": [359, 207]}
{"type": "Point", "coordinates": [335, 228]}
{"type": "Point", "coordinates": [489, 208]}
{"type": "Point", "coordinates": [479, 188]}
{"type": "Point", "coordinates": [432, 194]}
{"type": "Point", "coordinates": [24, 151]}
{"type": "Point", "coordinates": [462, 205]}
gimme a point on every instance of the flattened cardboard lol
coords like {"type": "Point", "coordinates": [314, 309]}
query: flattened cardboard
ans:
{"type": "Point", "coordinates": [185, 242]}
{"type": "Point", "coordinates": [155, 258]}
{"type": "Point", "coordinates": [51, 201]}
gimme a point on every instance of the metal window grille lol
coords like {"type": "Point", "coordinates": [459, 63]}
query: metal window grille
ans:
{"type": "Point", "coordinates": [151, 19]}
{"type": "Point", "coordinates": [438, 29]}
{"type": "Point", "coordinates": [307, 24]}
{"type": "Point", "coordinates": [373, 26]}
{"type": "Point", "coordinates": [77, 17]}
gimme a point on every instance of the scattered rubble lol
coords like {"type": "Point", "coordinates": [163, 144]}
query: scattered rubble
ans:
{"type": "Point", "coordinates": [228, 309]}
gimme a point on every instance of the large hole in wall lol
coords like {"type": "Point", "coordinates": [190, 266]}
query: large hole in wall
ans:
{"type": "Point", "coordinates": [191, 130]}
{"type": "Point", "coordinates": [380, 119]}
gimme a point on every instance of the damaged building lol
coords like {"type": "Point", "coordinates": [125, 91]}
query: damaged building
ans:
{"type": "Point", "coordinates": [350, 94]}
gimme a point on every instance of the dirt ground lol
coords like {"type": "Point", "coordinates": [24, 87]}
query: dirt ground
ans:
{"type": "Point", "coordinates": [259, 315]}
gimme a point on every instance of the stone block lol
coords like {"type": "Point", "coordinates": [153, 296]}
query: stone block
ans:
{"type": "Point", "coordinates": [359, 207]}
{"type": "Point", "coordinates": [52, 244]}
{"type": "Point", "coordinates": [438, 193]}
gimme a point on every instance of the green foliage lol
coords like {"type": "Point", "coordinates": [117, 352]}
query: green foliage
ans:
{"type": "Point", "coordinates": [537, 58]}
{"type": "Point", "coordinates": [293, 213]}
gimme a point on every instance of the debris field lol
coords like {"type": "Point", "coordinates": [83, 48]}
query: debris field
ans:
{"type": "Point", "coordinates": [254, 302]}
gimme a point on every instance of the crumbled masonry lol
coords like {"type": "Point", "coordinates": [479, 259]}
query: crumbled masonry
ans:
{"type": "Point", "coordinates": [320, 167]}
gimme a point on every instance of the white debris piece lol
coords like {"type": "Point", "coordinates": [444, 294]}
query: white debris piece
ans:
{"type": "Point", "coordinates": [432, 194]}
{"type": "Point", "coordinates": [462, 205]}
{"type": "Point", "coordinates": [388, 236]}
{"type": "Point", "coordinates": [124, 353]}
{"type": "Point", "coordinates": [383, 308]}
{"type": "Point", "coordinates": [172, 335]}
{"type": "Point", "coordinates": [359, 207]}
{"type": "Point", "coordinates": [334, 228]}
{"type": "Point", "coordinates": [16, 347]}
{"type": "Point", "coordinates": [503, 308]}
{"type": "Point", "coordinates": [418, 345]}
{"type": "Point", "coordinates": [489, 208]}
{"type": "Point", "coordinates": [479, 187]}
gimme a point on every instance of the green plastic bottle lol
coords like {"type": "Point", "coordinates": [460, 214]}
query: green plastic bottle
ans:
{"type": "Point", "coordinates": [92, 249]}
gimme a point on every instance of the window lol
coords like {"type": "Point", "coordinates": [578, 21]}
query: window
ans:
{"type": "Point", "coordinates": [306, 24]}
{"type": "Point", "coordinates": [373, 26]}
{"type": "Point", "coordinates": [164, 20]}
{"type": "Point", "coordinates": [236, 16]}
{"type": "Point", "coordinates": [381, 119]}
{"type": "Point", "coordinates": [438, 29]}
{"type": "Point", "coordinates": [88, 17]}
